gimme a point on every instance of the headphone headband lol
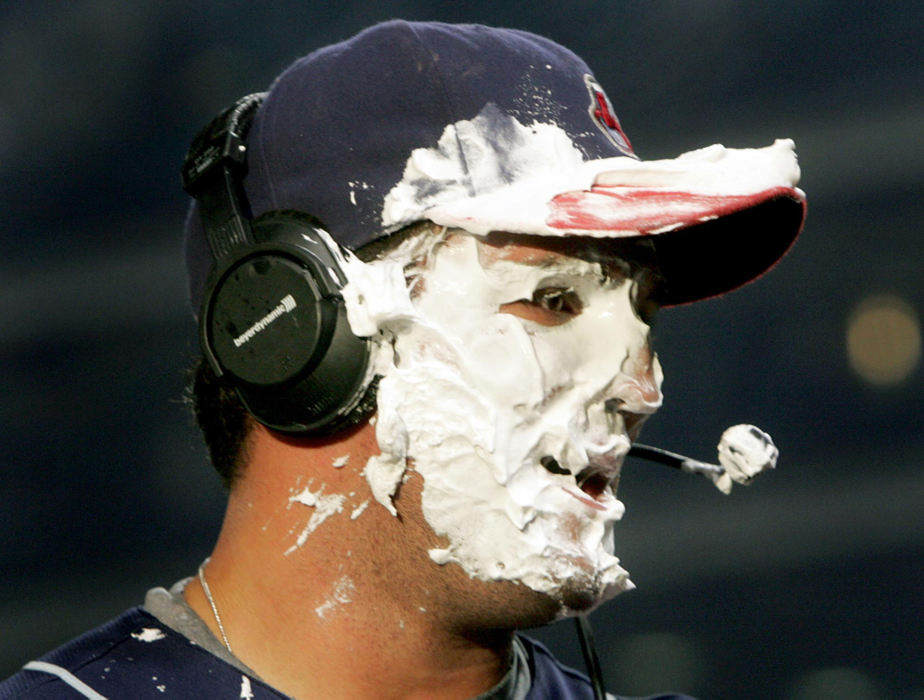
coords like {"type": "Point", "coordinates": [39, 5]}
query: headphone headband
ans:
{"type": "Point", "coordinates": [215, 165]}
{"type": "Point", "coordinates": [273, 321]}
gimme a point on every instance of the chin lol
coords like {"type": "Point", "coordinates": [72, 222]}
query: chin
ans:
{"type": "Point", "coordinates": [536, 609]}
{"type": "Point", "coordinates": [506, 604]}
{"type": "Point", "coordinates": [581, 596]}
{"type": "Point", "coordinates": [586, 591]}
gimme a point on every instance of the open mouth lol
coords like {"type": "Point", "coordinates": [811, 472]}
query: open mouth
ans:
{"type": "Point", "coordinates": [596, 484]}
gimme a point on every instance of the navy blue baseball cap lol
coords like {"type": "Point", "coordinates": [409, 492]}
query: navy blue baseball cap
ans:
{"type": "Point", "coordinates": [491, 129]}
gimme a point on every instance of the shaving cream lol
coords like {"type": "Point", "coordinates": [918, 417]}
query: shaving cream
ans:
{"type": "Point", "coordinates": [477, 400]}
{"type": "Point", "coordinates": [324, 506]}
{"type": "Point", "coordinates": [745, 451]}
{"type": "Point", "coordinates": [493, 173]}
{"type": "Point", "coordinates": [474, 399]}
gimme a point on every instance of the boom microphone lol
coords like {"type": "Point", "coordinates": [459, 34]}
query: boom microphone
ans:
{"type": "Point", "coordinates": [744, 452]}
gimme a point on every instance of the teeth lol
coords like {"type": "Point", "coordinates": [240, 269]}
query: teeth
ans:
{"type": "Point", "coordinates": [583, 474]}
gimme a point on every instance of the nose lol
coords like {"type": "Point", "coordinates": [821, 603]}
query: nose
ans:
{"type": "Point", "coordinates": [636, 393]}
{"type": "Point", "coordinates": [638, 388]}
{"type": "Point", "coordinates": [632, 421]}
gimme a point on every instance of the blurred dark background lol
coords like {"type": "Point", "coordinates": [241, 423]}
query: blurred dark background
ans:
{"type": "Point", "coordinates": [805, 585]}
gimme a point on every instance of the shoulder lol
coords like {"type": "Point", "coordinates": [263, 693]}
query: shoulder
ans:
{"type": "Point", "coordinates": [552, 679]}
{"type": "Point", "coordinates": [136, 656]}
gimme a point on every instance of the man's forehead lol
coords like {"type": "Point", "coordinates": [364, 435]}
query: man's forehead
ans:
{"type": "Point", "coordinates": [546, 250]}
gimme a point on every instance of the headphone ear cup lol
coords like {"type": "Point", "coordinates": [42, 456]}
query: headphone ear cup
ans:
{"type": "Point", "coordinates": [274, 322]}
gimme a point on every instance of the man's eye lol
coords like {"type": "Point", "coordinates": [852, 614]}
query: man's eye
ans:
{"type": "Point", "coordinates": [549, 306]}
{"type": "Point", "coordinates": [562, 300]}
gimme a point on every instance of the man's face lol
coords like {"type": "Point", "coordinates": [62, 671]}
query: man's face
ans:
{"type": "Point", "coordinates": [513, 382]}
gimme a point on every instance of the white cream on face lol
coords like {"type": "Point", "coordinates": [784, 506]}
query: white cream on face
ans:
{"type": "Point", "coordinates": [477, 398]}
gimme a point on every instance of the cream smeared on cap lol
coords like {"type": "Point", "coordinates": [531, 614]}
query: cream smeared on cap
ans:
{"type": "Point", "coordinates": [475, 158]}
{"type": "Point", "coordinates": [492, 173]}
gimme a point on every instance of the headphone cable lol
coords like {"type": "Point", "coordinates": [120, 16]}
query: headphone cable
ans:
{"type": "Point", "coordinates": [586, 636]}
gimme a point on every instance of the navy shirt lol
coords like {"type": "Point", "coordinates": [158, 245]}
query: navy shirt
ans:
{"type": "Point", "coordinates": [136, 656]}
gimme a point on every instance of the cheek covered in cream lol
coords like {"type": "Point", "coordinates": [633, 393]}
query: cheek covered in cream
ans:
{"type": "Point", "coordinates": [477, 400]}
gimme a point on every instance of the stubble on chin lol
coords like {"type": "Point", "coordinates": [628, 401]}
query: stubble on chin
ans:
{"type": "Point", "coordinates": [461, 601]}
{"type": "Point", "coordinates": [466, 602]}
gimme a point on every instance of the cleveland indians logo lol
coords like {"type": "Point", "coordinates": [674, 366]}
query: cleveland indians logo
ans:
{"type": "Point", "coordinates": [602, 113]}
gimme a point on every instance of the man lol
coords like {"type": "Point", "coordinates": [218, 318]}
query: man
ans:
{"type": "Point", "coordinates": [424, 265]}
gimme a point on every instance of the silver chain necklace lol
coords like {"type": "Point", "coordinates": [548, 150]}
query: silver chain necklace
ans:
{"type": "Point", "coordinates": [208, 595]}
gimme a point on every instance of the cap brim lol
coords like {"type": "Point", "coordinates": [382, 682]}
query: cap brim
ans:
{"type": "Point", "coordinates": [718, 218]}
{"type": "Point", "coordinates": [706, 245]}
{"type": "Point", "coordinates": [713, 257]}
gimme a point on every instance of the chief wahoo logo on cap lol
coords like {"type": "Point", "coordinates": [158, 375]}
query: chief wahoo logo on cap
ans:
{"type": "Point", "coordinates": [604, 116]}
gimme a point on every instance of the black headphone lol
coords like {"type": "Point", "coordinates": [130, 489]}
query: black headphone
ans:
{"type": "Point", "coordinates": [273, 321]}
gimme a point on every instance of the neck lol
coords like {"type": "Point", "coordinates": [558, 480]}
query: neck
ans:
{"type": "Point", "coordinates": [319, 593]}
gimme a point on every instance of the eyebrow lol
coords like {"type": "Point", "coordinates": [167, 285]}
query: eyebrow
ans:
{"type": "Point", "coordinates": [636, 251]}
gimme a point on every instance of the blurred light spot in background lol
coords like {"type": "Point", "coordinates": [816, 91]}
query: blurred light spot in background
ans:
{"type": "Point", "coordinates": [642, 664]}
{"type": "Point", "coordinates": [835, 684]}
{"type": "Point", "coordinates": [884, 340]}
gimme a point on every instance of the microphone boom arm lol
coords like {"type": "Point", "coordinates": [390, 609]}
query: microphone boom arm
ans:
{"type": "Point", "coordinates": [677, 461]}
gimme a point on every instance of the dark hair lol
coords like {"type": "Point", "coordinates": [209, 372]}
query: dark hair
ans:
{"type": "Point", "coordinates": [225, 424]}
